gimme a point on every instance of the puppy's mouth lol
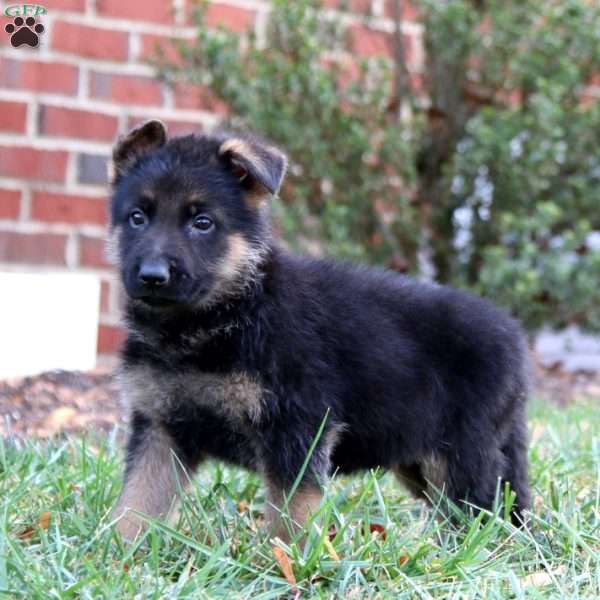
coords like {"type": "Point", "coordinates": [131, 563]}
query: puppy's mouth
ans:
{"type": "Point", "coordinates": [165, 302]}
{"type": "Point", "coordinates": [158, 301]}
{"type": "Point", "coordinates": [164, 299]}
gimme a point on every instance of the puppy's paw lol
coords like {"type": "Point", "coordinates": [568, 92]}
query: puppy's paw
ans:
{"type": "Point", "coordinates": [129, 525]}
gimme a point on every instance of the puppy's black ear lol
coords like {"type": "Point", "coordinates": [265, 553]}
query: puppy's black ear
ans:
{"type": "Point", "coordinates": [141, 139]}
{"type": "Point", "coordinates": [259, 167]}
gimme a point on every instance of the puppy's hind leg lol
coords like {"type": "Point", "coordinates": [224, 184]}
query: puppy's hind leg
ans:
{"type": "Point", "coordinates": [425, 479]}
{"type": "Point", "coordinates": [516, 468]}
{"type": "Point", "coordinates": [411, 478]}
{"type": "Point", "coordinates": [151, 477]}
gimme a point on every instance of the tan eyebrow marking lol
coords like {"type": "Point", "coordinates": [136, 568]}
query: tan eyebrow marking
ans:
{"type": "Point", "coordinates": [196, 197]}
{"type": "Point", "coordinates": [147, 194]}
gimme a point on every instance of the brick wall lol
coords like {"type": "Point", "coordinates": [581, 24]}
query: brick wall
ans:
{"type": "Point", "coordinates": [63, 103]}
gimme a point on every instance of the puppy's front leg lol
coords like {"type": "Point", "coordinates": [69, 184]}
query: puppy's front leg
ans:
{"type": "Point", "coordinates": [151, 476]}
{"type": "Point", "coordinates": [285, 452]}
{"type": "Point", "coordinates": [299, 506]}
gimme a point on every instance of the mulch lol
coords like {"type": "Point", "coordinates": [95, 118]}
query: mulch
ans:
{"type": "Point", "coordinates": [59, 401]}
{"type": "Point", "coordinates": [73, 402]}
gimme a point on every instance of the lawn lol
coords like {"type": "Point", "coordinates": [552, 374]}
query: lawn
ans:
{"type": "Point", "coordinates": [56, 540]}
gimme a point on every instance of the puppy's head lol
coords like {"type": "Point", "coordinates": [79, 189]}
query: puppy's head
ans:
{"type": "Point", "coordinates": [189, 217]}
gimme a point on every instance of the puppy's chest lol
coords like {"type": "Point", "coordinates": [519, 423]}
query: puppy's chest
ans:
{"type": "Point", "coordinates": [235, 395]}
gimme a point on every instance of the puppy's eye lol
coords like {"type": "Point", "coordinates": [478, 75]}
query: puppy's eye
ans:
{"type": "Point", "coordinates": [203, 223]}
{"type": "Point", "coordinates": [137, 218]}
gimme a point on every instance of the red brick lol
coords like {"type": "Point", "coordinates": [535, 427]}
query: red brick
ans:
{"type": "Point", "coordinates": [362, 7]}
{"type": "Point", "coordinates": [197, 97]}
{"type": "Point", "coordinates": [69, 5]}
{"type": "Point", "coordinates": [368, 42]}
{"type": "Point", "coordinates": [110, 339]}
{"type": "Point", "coordinates": [104, 296]}
{"type": "Point", "coordinates": [125, 89]}
{"type": "Point", "coordinates": [29, 163]}
{"type": "Point", "coordinates": [409, 11]}
{"type": "Point", "coordinates": [159, 11]}
{"type": "Point", "coordinates": [63, 208]}
{"type": "Point", "coordinates": [13, 116]}
{"type": "Point", "coordinates": [54, 77]}
{"type": "Point", "coordinates": [10, 203]}
{"type": "Point", "coordinates": [230, 17]}
{"type": "Point", "coordinates": [159, 47]}
{"type": "Point", "coordinates": [175, 127]}
{"type": "Point", "coordinates": [88, 41]}
{"type": "Point", "coordinates": [587, 98]}
{"type": "Point", "coordinates": [92, 252]}
{"type": "Point", "coordinates": [417, 81]}
{"type": "Point", "coordinates": [92, 169]}
{"type": "Point", "coordinates": [233, 18]}
{"type": "Point", "coordinates": [346, 66]}
{"type": "Point", "coordinates": [69, 122]}
{"type": "Point", "coordinates": [595, 79]}
{"type": "Point", "coordinates": [38, 248]}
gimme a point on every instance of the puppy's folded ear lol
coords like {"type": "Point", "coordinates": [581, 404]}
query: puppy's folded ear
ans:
{"type": "Point", "coordinates": [260, 168]}
{"type": "Point", "coordinates": [141, 139]}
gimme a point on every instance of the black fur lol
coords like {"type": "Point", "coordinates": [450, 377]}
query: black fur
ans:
{"type": "Point", "coordinates": [414, 376]}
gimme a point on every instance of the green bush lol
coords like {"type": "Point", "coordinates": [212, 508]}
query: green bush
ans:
{"type": "Point", "coordinates": [492, 181]}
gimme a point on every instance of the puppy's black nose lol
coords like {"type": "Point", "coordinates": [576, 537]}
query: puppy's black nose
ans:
{"type": "Point", "coordinates": [154, 272]}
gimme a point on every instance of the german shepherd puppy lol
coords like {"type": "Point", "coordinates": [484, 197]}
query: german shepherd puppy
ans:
{"type": "Point", "coordinates": [241, 351]}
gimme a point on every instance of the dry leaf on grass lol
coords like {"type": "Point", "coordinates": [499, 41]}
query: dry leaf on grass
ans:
{"type": "Point", "coordinates": [285, 564]}
{"type": "Point", "coordinates": [60, 418]}
{"type": "Point", "coordinates": [378, 529]}
{"type": "Point", "coordinates": [27, 532]}
{"type": "Point", "coordinates": [541, 578]}
{"type": "Point", "coordinates": [403, 559]}
{"type": "Point", "coordinates": [44, 520]}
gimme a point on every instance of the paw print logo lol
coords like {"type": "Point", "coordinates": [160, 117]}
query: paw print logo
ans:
{"type": "Point", "coordinates": [24, 31]}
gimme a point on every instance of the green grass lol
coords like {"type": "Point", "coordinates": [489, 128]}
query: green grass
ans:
{"type": "Point", "coordinates": [218, 549]}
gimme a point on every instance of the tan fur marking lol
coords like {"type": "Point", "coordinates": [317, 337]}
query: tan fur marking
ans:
{"type": "Point", "coordinates": [236, 257]}
{"type": "Point", "coordinates": [435, 471]}
{"type": "Point", "coordinates": [425, 479]}
{"type": "Point", "coordinates": [257, 196]}
{"type": "Point", "coordinates": [241, 147]}
{"type": "Point", "coordinates": [237, 269]}
{"type": "Point", "coordinates": [300, 506]}
{"type": "Point", "coordinates": [411, 479]}
{"type": "Point", "coordinates": [196, 198]}
{"type": "Point", "coordinates": [150, 487]}
{"type": "Point", "coordinates": [332, 437]}
{"type": "Point", "coordinates": [235, 396]}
